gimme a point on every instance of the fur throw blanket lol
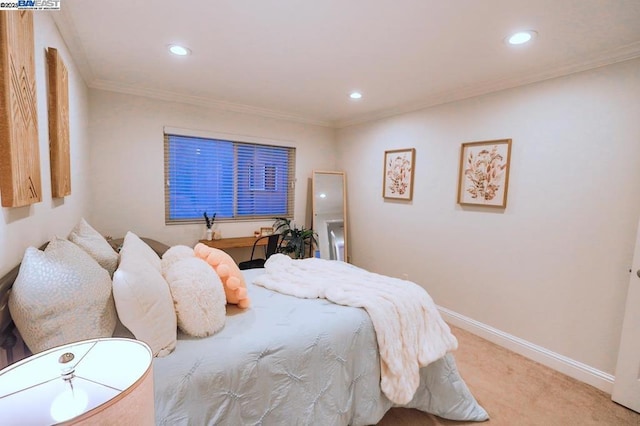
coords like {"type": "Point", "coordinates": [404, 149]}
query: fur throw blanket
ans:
{"type": "Point", "coordinates": [409, 329]}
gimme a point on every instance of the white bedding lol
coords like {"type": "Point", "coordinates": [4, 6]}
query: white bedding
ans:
{"type": "Point", "coordinates": [291, 361]}
{"type": "Point", "coordinates": [410, 331]}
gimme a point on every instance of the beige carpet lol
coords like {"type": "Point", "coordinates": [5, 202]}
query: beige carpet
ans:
{"type": "Point", "coordinates": [519, 392]}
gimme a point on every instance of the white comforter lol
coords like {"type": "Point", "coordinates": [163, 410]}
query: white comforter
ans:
{"type": "Point", "coordinates": [409, 329]}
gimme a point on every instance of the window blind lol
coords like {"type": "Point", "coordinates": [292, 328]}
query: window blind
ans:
{"type": "Point", "coordinates": [234, 180]}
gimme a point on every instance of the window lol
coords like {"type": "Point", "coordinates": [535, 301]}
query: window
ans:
{"type": "Point", "coordinates": [235, 180]}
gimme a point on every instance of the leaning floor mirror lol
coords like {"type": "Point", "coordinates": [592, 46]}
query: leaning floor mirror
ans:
{"type": "Point", "coordinates": [330, 214]}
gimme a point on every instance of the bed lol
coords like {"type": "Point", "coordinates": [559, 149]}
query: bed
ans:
{"type": "Point", "coordinates": [285, 360]}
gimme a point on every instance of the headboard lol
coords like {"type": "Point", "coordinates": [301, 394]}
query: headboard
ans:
{"type": "Point", "coordinates": [7, 327]}
{"type": "Point", "coordinates": [7, 337]}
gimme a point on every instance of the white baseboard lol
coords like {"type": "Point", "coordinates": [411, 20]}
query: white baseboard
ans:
{"type": "Point", "coordinates": [561, 363]}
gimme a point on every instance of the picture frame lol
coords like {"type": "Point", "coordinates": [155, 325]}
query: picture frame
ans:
{"type": "Point", "coordinates": [483, 178]}
{"type": "Point", "coordinates": [399, 169]}
{"type": "Point", "coordinates": [20, 179]}
{"type": "Point", "coordinates": [266, 231]}
{"type": "Point", "coordinates": [59, 152]}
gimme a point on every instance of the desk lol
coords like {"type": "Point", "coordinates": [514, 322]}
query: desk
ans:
{"type": "Point", "coordinates": [238, 242]}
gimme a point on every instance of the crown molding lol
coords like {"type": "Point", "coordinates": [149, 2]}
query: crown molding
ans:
{"type": "Point", "coordinates": [69, 34]}
{"type": "Point", "coordinates": [621, 54]}
{"type": "Point", "coordinates": [67, 29]}
{"type": "Point", "coordinates": [165, 95]}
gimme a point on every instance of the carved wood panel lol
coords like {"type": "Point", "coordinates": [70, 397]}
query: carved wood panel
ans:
{"type": "Point", "coordinates": [19, 147]}
{"type": "Point", "coordinates": [59, 125]}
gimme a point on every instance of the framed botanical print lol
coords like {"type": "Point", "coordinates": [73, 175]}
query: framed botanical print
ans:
{"type": "Point", "coordinates": [484, 173]}
{"type": "Point", "coordinates": [398, 174]}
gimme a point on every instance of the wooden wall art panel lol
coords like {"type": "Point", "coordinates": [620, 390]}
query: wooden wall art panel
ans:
{"type": "Point", "coordinates": [19, 147]}
{"type": "Point", "coordinates": [59, 125]}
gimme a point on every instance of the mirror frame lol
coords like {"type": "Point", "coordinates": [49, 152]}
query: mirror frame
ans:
{"type": "Point", "coordinates": [344, 205]}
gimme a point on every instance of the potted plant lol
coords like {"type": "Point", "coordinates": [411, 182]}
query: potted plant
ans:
{"type": "Point", "coordinates": [208, 221]}
{"type": "Point", "coordinates": [294, 240]}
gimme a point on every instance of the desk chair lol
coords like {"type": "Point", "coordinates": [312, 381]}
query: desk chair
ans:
{"type": "Point", "coordinates": [272, 247]}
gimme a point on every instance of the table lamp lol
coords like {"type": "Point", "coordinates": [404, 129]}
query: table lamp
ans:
{"type": "Point", "coordinates": [98, 381]}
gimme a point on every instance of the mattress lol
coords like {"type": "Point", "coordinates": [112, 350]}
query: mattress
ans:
{"type": "Point", "coordinates": [290, 361]}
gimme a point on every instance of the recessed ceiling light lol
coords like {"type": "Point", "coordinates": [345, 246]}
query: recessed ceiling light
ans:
{"type": "Point", "coordinates": [521, 37]}
{"type": "Point", "coordinates": [323, 195]}
{"type": "Point", "coordinates": [179, 50]}
{"type": "Point", "coordinates": [355, 95]}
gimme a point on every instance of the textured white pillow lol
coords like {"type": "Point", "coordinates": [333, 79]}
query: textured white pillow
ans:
{"type": "Point", "coordinates": [95, 244]}
{"type": "Point", "coordinates": [134, 243]}
{"type": "Point", "coordinates": [175, 254]}
{"type": "Point", "coordinates": [143, 299]}
{"type": "Point", "coordinates": [61, 296]}
{"type": "Point", "coordinates": [198, 296]}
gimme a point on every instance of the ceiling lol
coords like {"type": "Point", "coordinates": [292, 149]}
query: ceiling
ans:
{"type": "Point", "coordinates": [299, 60]}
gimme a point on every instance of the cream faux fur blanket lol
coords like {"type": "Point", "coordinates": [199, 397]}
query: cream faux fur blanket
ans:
{"type": "Point", "coordinates": [409, 329]}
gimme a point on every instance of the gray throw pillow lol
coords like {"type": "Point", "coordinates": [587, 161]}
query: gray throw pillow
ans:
{"type": "Point", "coordinates": [61, 296]}
{"type": "Point", "coordinates": [95, 245]}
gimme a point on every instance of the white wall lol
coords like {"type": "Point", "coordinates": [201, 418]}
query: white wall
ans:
{"type": "Point", "coordinates": [553, 268]}
{"type": "Point", "coordinates": [35, 224]}
{"type": "Point", "coordinates": [128, 161]}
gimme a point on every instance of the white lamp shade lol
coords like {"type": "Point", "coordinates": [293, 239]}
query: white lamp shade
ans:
{"type": "Point", "coordinates": [112, 384]}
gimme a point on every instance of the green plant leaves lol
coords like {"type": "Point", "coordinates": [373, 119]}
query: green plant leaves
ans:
{"type": "Point", "coordinates": [295, 240]}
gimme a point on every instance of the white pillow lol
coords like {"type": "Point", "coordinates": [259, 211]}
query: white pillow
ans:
{"type": "Point", "coordinates": [143, 300]}
{"type": "Point", "coordinates": [174, 254]}
{"type": "Point", "coordinates": [95, 244]}
{"type": "Point", "coordinates": [133, 243]}
{"type": "Point", "coordinates": [61, 296]}
{"type": "Point", "coordinates": [198, 296]}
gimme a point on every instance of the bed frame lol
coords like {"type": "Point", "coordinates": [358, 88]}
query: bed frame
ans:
{"type": "Point", "coordinates": [436, 375]}
{"type": "Point", "coordinates": [8, 337]}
